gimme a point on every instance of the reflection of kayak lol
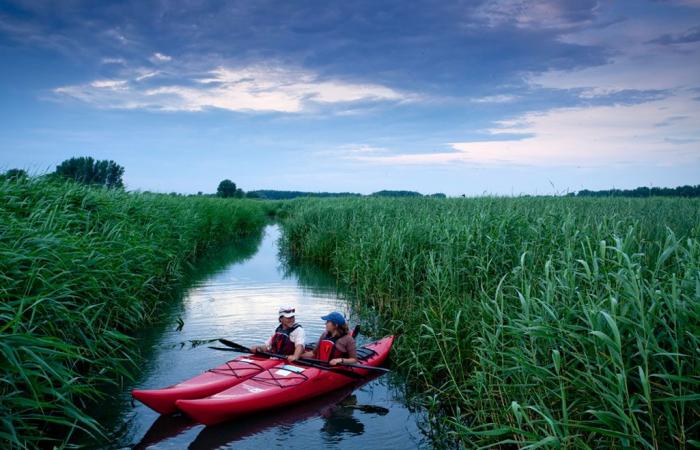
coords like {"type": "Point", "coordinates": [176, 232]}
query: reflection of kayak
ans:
{"type": "Point", "coordinates": [164, 427]}
{"type": "Point", "coordinates": [210, 382]}
{"type": "Point", "coordinates": [281, 385]}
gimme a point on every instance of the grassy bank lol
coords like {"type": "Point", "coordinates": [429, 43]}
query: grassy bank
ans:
{"type": "Point", "coordinates": [81, 268]}
{"type": "Point", "coordinates": [555, 322]}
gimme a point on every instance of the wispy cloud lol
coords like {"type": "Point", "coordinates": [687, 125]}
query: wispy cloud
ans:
{"type": "Point", "coordinates": [160, 57]}
{"type": "Point", "coordinates": [636, 108]}
{"type": "Point", "coordinates": [251, 88]}
{"type": "Point", "coordinates": [636, 61]}
{"type": "Point", "coordinates": [688, 36]}
{"type": "Point", "coordinates": [119, 61]}
{"type": "Point", "coordinates": [501, 98]}
{"type": "Point", "coordinates": [537, 14]}
{"type": "Point", "coordinates": [583, 137]}
{"type": "Point", "coordinates": [354, 151]}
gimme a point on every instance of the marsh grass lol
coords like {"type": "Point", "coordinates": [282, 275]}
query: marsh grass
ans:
{"type": "Point", "coordinates": [80, 269]}
{"type": "Point", "coordinates": [529, 322]}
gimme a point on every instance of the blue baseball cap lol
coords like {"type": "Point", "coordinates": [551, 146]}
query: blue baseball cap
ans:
{"type": "Point", "coordinates": [335, 317]}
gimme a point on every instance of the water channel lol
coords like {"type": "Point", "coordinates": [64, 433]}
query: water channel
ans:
{"type": "Point", "coordinates": [237, 296]}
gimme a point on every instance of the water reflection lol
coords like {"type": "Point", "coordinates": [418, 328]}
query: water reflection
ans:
{"type": "Point", "coordinates": [239, 300]}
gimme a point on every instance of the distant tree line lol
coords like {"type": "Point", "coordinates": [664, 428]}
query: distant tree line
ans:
{"type": "Point", "coordinates": [680, 191]}
{"type": "Point", "coordinates": [270, 194]}
{"type": "Point", "coordinates": [396, 194]}
{"type": "Point", "coordinates": [108, 173]}
{"type": "Point", "coordinates": [287, 195]}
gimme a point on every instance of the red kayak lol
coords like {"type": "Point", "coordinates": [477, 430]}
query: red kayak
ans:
{"type": "Point", "coordinates": [208, 383]}
{"type": "Point", "coordinates": [281, 385]}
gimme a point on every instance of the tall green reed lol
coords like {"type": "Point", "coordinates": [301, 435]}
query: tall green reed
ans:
{"type": "Point", "coordinates": [529, 322]}
{"type": "Point", "coordinates": [80, 269]}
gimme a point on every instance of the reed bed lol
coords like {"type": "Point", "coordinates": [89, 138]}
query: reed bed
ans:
{"type": "Point", "coordinates": [80, 269]}
{"type": "Point", "coordinates": [528, 322]}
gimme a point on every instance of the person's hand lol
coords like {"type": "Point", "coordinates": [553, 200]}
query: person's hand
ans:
{"type": "Point", "coordinates": [336, 361]}
{"type": "Point", "coordinates": [255, 349]}
{"type": "Point", "coordinates": [292, 358]}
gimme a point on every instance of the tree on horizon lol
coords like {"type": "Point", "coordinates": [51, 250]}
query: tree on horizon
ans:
{"type": "Point", "coordinates": [226, 189]}
{"type": "Point", "coordinates": [88, 170]}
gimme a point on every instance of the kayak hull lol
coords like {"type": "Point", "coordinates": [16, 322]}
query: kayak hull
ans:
{"type": "Point", "coordinates": [280, 386]}
{"type": "Point", "coordinates": [205, 384]}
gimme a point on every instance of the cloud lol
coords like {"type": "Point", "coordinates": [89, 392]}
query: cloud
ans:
{"type": "Point", "coordinates": [119, 61]}
{"type": "Point", "coordinates": [634, 66]}
{"type": "Point", "coordinates": [252, 88]}
{"type": "Point", "coordinates": [160, 57]}
{"type": "Point", "coordinates": [692, 3]}
{"type": "Point", "coordinates": [501, 98]}
{"type": "Point", "coordinates": [537, 14]}
{"type": "Point", "coordinates": [581, 137]}
{"type": "Point", "coordinates": [689, 36]}
{"type": "Point", "coordinates": [115, 85]}
{"type": "Point", "coordinates": [353, 151]}
{"type": "Point", "coordinates": [637, 107]}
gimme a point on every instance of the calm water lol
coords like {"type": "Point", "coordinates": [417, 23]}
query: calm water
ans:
{"type": "Point", "coordinates": [238, 298]}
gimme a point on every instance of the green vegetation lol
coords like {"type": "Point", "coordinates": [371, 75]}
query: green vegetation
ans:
{"type": "Point", "coordinates": [397, 194]}
{"type": "Point", "coordinates": [227, 189]}
{"type": "Point", "coordinates": [528, 322]}
{"type": "Point", "coordinates": [81, 267]}
{"type": "Point", "coordinates": [288, 195]}
{"type": "Point", "coordinates": [680, 191]}
{"type": "Point", "coordinates": [87, 170]}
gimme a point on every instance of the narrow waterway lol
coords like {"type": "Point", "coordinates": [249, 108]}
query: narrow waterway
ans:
{"type": "Point", "coordinates": [238, 298]}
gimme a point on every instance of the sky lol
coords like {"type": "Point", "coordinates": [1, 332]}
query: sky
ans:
{"type": "Point", "coordinates": [502, 97]}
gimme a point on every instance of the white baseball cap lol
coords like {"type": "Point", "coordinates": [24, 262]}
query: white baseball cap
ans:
{"type": "Point", "coordinates": [287, 311]}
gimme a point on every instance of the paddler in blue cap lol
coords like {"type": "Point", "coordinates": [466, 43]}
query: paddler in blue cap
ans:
{"type": "Point", "coordinates": [336, 345]}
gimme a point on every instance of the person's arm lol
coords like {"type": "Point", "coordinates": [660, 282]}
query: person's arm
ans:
{"type": "Point", "coordinates": [298, 350]}
{"type": "Point", "coordinates": [298, 337]}
{"type": "Point", "coordinates": [262, 348]}
{"type": "Point", "coordinates": [351, 350]}
{"type": "Point", "coordinates": [259, 348]}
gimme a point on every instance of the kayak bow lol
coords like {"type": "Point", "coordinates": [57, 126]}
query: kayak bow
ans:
{"type": "Point", "coordinates": [208, 383]}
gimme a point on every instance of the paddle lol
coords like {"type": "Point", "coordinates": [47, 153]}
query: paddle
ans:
{"type": "Point", "coordinates": [243, 349]}
{"type": "Point", "coordinates": [283, 357]}
{"type": "Point", "coordinates": [359, 366]}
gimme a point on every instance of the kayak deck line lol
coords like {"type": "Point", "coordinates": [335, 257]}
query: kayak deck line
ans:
{"type": "Point", "coordinates": [231, 371]}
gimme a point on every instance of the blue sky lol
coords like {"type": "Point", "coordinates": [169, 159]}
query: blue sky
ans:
{"type": "Point", "coordinates": [461, 97]}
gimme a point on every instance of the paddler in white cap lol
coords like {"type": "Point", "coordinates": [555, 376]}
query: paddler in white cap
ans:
{"type": "Point", "coordinates": [289, 337]}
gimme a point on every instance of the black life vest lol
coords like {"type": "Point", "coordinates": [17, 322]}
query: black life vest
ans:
{"type": "Point", "coordinates": [281, 343]}
{"type": "Point", "coordinates": [328, 350]}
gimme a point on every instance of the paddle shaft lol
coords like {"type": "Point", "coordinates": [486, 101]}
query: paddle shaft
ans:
{"type": "Point", "coordinates": [308, 361]}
